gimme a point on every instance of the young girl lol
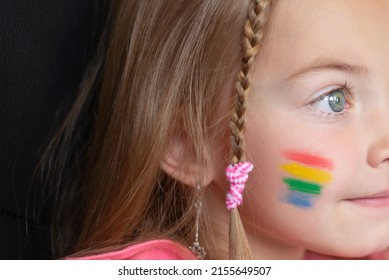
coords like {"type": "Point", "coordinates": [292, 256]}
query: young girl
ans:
{"type": "Point", "coordinates": [141, 159]}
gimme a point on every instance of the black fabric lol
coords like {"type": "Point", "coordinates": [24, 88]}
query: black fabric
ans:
{"type": "Point", "coordinates": [44, 48]}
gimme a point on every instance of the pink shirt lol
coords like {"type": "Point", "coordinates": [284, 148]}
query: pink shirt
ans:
{"type": "Point", "coordinates": [161, 249]}
{"type": "Point", "coordinates": [164, 249]}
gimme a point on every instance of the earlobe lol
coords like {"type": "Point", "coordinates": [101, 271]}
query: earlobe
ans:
{"type": "Point", "coordinates": [179, 164]}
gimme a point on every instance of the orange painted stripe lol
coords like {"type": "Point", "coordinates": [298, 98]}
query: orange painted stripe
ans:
{"type": "Point", "coordinates": [308, 159]}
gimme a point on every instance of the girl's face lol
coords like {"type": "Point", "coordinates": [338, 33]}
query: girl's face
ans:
{"type": "Point", "coordinates": [318, 129]}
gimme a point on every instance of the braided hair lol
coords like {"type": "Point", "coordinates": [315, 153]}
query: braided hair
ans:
{"type": "Point", "coordinates": [252, 38]}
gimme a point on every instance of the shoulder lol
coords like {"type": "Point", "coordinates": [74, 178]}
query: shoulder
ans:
{"type": "Point", "coordinates": [160, 249]}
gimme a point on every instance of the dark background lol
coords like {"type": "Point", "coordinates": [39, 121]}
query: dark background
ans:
{"type": "Point", "coordinates": [45, 46]}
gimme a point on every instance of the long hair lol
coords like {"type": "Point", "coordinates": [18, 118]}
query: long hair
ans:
{"type": "Point", "coordinates": [157, 75]}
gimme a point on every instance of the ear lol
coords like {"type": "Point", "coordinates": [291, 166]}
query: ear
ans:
{"type": "Point", "coordinates": [180, 164]}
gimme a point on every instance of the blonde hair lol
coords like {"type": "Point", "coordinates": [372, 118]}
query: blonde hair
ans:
{"type": "Point", "coordinates": [253, 36]}
{"type": "Point", "coordinates": [157, 75]}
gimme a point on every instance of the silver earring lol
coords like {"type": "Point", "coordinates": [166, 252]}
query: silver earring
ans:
{"type": "Point", "coordinates": [196, 248]}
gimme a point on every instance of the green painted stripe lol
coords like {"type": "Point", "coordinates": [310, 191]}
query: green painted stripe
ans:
{"type": "Point", "coordinates": [302, 186]}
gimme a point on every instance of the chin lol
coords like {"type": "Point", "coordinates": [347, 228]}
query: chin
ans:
{"type": "Point", "coordinates": [353, 251]}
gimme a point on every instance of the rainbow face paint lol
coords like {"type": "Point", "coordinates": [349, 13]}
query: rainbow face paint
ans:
{"type": "Point", "coordinates": [307, 175]}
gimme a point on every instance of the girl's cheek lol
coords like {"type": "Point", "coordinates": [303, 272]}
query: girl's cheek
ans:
{"type": "Point", "coordinates": [305, 176]}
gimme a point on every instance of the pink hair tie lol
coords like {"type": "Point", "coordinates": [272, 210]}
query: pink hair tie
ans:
{"type": "Point", "coordinates": [237, 174]}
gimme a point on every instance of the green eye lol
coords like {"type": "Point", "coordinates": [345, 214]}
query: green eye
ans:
{"type": "Point", "coordinates": [332, 103]}
{"type": "Point", "coordinates": [337, 101]}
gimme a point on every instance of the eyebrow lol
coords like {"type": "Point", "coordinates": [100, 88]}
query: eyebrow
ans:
{"type": "Point", "coordinates": [323, 64]}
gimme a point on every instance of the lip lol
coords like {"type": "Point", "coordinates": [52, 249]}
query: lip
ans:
{"type": "Point", "coordinates": [377, 200]}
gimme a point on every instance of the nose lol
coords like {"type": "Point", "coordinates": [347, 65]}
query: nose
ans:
{"type": "Point", "coordinates": [378, 152]}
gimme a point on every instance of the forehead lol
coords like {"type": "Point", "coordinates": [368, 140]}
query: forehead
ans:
{"type": "Point", "coordinates": [301, 31]}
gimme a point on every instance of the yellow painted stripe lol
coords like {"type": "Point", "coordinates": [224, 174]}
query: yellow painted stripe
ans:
{"type": "Point", "coordinates": [307, 173]}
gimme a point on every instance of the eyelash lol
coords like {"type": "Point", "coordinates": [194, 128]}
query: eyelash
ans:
{"type": "Point", "coordinates": [346, 89]}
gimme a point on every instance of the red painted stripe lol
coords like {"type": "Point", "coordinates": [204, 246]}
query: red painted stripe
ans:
{"type": "Point", "coordinates": [308, 159]}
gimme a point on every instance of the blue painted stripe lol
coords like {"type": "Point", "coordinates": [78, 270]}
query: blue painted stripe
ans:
{"type": "Point", "coordinates": [301, 200]}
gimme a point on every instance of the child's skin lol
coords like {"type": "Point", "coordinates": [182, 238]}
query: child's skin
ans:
{"type": "Point", "coordinates": [314, 48]}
